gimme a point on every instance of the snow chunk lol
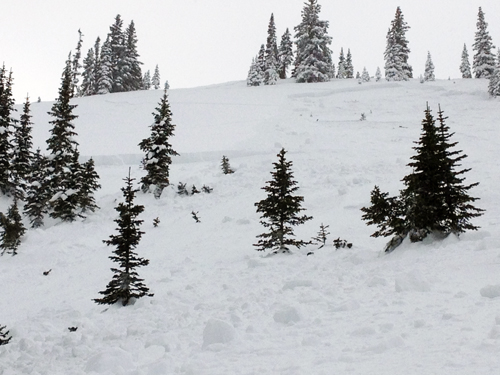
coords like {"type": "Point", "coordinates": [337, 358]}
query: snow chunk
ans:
{"type": "Point", "coordinates": [287, 315]}
{"type": "Point", "coordinates": [114, 360]}
{"type": "Point", "coordinates": [217, 332]}
{"type": "Point", "coordinates": [412, 282]}
{"type": "Point", "coordinates": [490, 291]}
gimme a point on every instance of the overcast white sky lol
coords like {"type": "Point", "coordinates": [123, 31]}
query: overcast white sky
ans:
{"type": "Point", "coordinates": [200, 42]}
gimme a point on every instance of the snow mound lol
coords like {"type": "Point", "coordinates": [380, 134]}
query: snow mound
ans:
{"type": "Point", "coordinates": [114, 358]}
{"type": "Point", "coordinates": [287, 315]}
{"type": "Point", "coordinates": [411, 282]}
{"type": "Point", "coordinates": [490, 291]}
{"type": "Point", "coordinates": [217, 332]}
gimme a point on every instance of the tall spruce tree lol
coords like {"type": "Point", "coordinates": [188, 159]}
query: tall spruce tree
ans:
{"type": "Point", "coordinates": [313, 61]}
{"type": "Point", "coordinates": [63, 159]}
{"type": "Point", "coordinates": [365, 76]}
{"type": "Point", "coordinates": [76, 66]}
{"type": "Point", "coordinates": [132, 75]}
{"type": "Point", "coordinates": [271, 55]}
{"type": "Point", "coordinates": [88, 75]}
{"type": "Point", "coordinates": [465, 65]}
{"type": "Point", "coordinates": [117, 48]}
{"type": "Point", "coordinates": [97, 66]}
{"type": "Point", "coordinates": [494, 85]}
{"type": "Point", "coordinates": [280, 210]}
{"type": "Point", "coordinates": [397, 50]}
{"type": "Point", "coordinates": [285, 54]}
{"type": "Point", "coordinates": [146, 80]}
{"type": "Point", "coordinates": [126, 284]}
{"type": "Point", "coordinates": [105, 69]}
{"type": "Point", "coordinates": [434, 199]}
{"type": "Point", "coordinates": [158, 150]}
{"type": "Point", "coordinates": [483, 63]}
{"type": "Point", "coordinates": [429, 69]}
{"type": "Point", "coordinates": [6, 124]}
{"type": "Point", "coordinates": [349, 68]}
{"type": "Point", "coordinates": [341, 73]}
{"type": "Point", "coordinates": [22, 154]}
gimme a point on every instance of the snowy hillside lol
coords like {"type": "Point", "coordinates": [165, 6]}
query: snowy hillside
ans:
{"type": "Point", "coordinates": [219, 306]}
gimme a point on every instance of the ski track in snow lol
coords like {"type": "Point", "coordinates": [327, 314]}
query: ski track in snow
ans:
{"type": "Point", "coordinates": [220, 307]}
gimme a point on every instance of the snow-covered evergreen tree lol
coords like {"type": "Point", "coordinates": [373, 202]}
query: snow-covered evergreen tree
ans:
{"type": "Point", "coordinates": [285, 54]}
{"type": "Point", "coordinates": [158, 150]}
{"type": "Point", "coordinates": [12, 230]}
{"type": "Point", "coordinates": [397, 51]}
{"type": "Point", "coordinates": [155, 80]}
{"type": "Point", "coordinates": [429, 69]}
{"type": "Point", "coordinates": [126, 285]}
{"type": "Point", "coordinates": [22, 154]}
{"type": "Point", "coordinates": [483, 63]}
{"type": "Point", "coordinates": [76, 66]}
{"type": "Point", "coordinates": [494, 85]}
{"type": "Point", "coordinates": [62, 146]}
{"type": "Point", "coordinates": [105, 72]}
{"type": "Point", "coordinates": [465, 65]}
{"type": "Point", "coordinates": [88, 78]}
{"type": "Point", "coordinates": [97, 65]}
{"type": "Point", "coordinates": [271, 55]}
{"type": "Point", "coordinates": [88, 186]}
{"type": "Point", "coordinates": [39, 192]}
{"type": "Point", "coordinates": [365, 76]}
{"type": "Point", "coordinates": [6, 124]}
{"type": "Point", "coordinates": [226, 167]}
{"type": "Point", "coordinates": [254, 77]}
{"type": "Point", "coordinates": [349, 68]}
{"type": "Point", "coordinates": [132, 75]}
{"type": "Point", "coordinates": [313, 62]}
{"type": "Point", "coordinates": [341, 72]}
{"type": "Point", "coordinates": [167, 85]}
{"type": "Point", "coordinates": [280, 210]}
{"type": "Point", "coordinates": [378, 74]}
{"type": "Point", "coordinates": [117, 48]}
{"type": "Point", "coordinates": [146, 81]}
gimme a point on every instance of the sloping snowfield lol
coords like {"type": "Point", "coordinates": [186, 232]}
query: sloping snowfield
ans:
{"type": "Point", "coordinates": [219, 306]}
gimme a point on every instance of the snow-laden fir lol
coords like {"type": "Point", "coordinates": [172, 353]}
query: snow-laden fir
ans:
{"type": "Point", "coordinates": [220, 306]}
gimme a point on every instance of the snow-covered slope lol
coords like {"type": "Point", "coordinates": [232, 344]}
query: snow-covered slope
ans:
{"type": "Point", "coordinates": [220, 307]}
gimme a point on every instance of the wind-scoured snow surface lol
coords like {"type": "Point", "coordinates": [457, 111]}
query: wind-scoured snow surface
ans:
{"type": "Point", "coordinates": [221, 307]}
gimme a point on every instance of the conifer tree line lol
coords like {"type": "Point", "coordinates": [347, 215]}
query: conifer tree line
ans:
{"type": "Point", "coordinates": [56, 184]}
{"type": "Point", "coordinates": [112, 64]}
{"type": "Point", "coordinates": [312, 59]}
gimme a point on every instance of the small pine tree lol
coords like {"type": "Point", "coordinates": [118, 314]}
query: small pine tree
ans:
{"type": "Point", "coordinates": [280, 210]}
{"type": "Point", "coordinates": [158, 149]}
{"type": "Point", "coordinates": [38, 193]}
{"type": "Point", "coordinates": [322, 235]}
{"type": "Point", "coordinates": [429, 69]}
{"type": "Point", "coordinates": [378, 75]}
{"type": "Point", "coordinates": [126, 284]}
{"type": "Point", "coordinates": [255, 75]}
{"type": "Point", "coordinates": [181, 189]}
{"type": "Point", "coordinates": [146, 81]}
{"type": "Point", "coordinates": [166, 86]}
{"type": "Point", "coordinates": [285, 54]}
{"type": "Point", "coordinates": [194, 190]}
{"type": "Point", "coordinates": [465, 65]}
{"type": "Point", "coordinates": [271, 55]}
{"type": "Point", "coordinates": [226, 168]}
{"type": "Point", "coordinates": [483, 63]}
{"type": "Point", "coordinates": [155, 80]}
{"type": "Point", "coordinates": [365, 77]}
{"type": "Point", "coordinates": [89, 185]}
{"type": "Point", "coordinates": [12, 230]}
{"type": "Point", "coordinates": [4, 336]}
